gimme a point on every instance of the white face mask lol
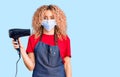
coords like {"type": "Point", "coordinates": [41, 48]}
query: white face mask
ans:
{"type": "Point", "coordinates": [48, 24]}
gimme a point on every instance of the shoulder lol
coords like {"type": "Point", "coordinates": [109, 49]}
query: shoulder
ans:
{"type": "Point", "coordinates": [32, 37]}
{"type": "Point", "coordinates": [67, 38]}
{"type": "Point", "coordinates": [64, 40]}
{"type": "Point", "coordinates": [33, 40]}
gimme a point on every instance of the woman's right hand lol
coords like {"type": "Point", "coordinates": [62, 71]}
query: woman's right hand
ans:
{"type": "Point", "coordinates": [17, 44]}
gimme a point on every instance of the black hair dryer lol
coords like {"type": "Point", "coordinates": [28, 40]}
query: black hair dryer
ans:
{"type": "Point", "coordinates": [16, 33]}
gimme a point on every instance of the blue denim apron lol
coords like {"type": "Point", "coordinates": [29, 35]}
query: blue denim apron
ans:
{"type": "Point", "coordinates": [48, 62]}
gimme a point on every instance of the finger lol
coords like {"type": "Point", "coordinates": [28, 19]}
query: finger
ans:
{"type": "Point", "coordinates": [14, 42]}
{"type": "Point", "coordinates": [13, 39]}
{"type": "Point", "coordinates": [16, 46]}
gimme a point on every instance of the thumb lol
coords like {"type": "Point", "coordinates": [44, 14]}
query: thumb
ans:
{"type": "Point", "coordinates": [20, 43]}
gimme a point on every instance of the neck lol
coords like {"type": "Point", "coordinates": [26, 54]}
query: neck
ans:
{"type": "Point", "coordinates": [48, 32]}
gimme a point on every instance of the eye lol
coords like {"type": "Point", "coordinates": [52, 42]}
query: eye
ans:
{"type": "Point", "coordinates": [45, 18]}
{"type": "Point", "coordinates": [52, 17]}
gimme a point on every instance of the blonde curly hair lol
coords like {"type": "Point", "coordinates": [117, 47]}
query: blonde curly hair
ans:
{"type": "Point", "coordinates": [59, 16]}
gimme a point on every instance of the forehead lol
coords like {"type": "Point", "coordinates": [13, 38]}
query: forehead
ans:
{"type": "Point", "coordinates": [48, 13]}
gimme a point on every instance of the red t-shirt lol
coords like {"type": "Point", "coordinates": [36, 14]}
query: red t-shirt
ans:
{"type": "Point", "coordinates": [64, 45]}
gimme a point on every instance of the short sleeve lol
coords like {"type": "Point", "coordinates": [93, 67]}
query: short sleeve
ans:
{"type": "Point", "coordinates": [68, 47]}
{"type": "Point", "coordinates": [30, 45]}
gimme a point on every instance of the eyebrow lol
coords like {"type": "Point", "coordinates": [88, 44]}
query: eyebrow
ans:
{"type": "Point", "coordinates": [50, 16]}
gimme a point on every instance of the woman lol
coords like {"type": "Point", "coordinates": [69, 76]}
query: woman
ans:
{"type": "Point", "coordinates": [48, 52]}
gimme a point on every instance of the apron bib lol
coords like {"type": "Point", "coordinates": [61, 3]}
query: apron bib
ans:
{"type": "Point", "coordinates": [48, 62]}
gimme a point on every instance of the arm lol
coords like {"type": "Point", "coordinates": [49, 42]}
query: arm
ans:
{"type": "Point", "coordinates": [27, 58]}
{"type": "Point", "coordinates": [67, 66]}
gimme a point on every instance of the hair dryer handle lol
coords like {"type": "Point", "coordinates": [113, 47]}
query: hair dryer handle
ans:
{"type": "Point", "coordinates": [18, 49]}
